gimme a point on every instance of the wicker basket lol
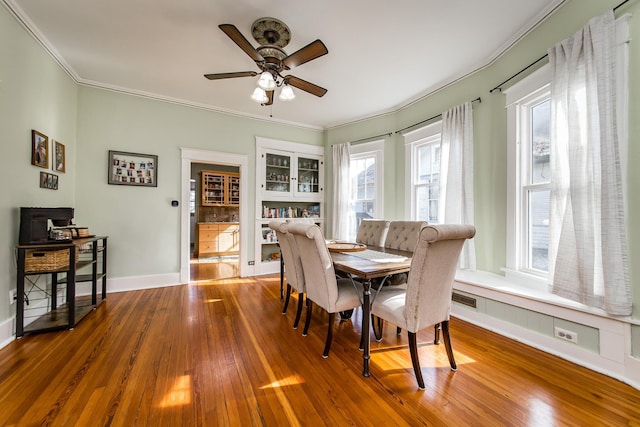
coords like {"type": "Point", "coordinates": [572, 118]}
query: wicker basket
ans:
{"type": "Point", "coordinates": [46, 260]}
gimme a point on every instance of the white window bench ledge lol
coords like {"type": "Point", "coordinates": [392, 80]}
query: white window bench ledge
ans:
{"type": "Point", "coordinates": [612, 344]}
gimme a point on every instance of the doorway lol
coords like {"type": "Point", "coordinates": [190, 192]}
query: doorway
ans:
{"type": "Point", "coordinates": [214, 244]}
{"type": "Point", "coordinates": [211, 160]}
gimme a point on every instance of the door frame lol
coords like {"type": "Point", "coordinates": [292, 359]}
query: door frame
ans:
{"type": "Point", "coordinates": [195, 155]}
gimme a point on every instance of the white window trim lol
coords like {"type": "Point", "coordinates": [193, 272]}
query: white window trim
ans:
{"type": "Point", "coordinates": [411, 139]}
{"type": "Point", "coordinates": [373, 149]}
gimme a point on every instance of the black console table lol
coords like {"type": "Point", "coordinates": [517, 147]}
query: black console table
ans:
{"type": "Point", "coordinates": [84, 254]}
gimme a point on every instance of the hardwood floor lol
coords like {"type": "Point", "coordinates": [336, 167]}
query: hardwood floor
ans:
{"type": "Point", "coordinates": [222, 269]}
{"type": "Point", "coordinates": [220, 353]}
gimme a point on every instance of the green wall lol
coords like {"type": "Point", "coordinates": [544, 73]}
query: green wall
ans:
{"type": "Point", "coordinates": [490, 133]}
{"type": "Point", "coordinates": [144, 230]}
{"type": "Point", "coordinates": [35, 93]}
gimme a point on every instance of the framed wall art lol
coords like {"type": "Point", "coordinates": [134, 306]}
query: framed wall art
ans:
{"type": "Point", "coordinates": [133, 169]}
{"type": "Point", "coordinates": [48, 180]}
{"type": "Point", "coordinates": [39, 149]}
{"type": "Point", "coordinates": [59, 160]}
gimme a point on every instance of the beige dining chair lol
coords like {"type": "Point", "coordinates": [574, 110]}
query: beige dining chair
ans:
{"type": "Point", "coordinates": [292, 267]}
{"type": "Point", "coordinates": [426, 301]}
{"type": "Point", "coordinates": [403, 235]}
{"type": "Point", "coordinates": [322, 287]}
{"type": "Point", "coordinates": [372, 232]}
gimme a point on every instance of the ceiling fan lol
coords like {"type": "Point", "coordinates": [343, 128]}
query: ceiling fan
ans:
{"type": "Point", "coordinates": [272, 60]}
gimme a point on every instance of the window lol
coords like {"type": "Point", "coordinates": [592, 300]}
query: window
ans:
{"type": "Point", "coordinates": [528, 167]}
{"type": "Point", "coordinates": [422, 153]}
{"type": "Point", "coordinates": [529, 178]}
{"type": "Point", "coordinates": [192, 196]}
{"type": "Point", "coordinates": [365, 184]}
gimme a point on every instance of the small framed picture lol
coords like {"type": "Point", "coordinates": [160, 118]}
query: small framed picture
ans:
{"type": "Point", "coordinates": [132, 169]}
{"type": "Point", "coordinates": [48, 180]}
{"type": "Point", "coordinates": [39, 149]}
{"type": "Point", "coordinates": [59, 160]}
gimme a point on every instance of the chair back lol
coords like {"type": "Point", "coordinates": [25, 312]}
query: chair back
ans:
{"type": "Point", "coordinates": [372, 232]}
{"type": "Point", "coordinates": [433, 268]}
{"type": "Point", "coordinates": [319, 274]}
{"type": "Point", "coordinates": [403, 235]}
{"type": "Point", "coordinates": [290, 256]}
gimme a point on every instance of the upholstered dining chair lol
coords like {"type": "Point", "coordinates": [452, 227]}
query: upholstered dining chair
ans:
{"type": "Point", "coordinates": [292, 267]}
{"type": "Point", "coordinates": [322, 287]}
{"type": "Point", "coordinates": [403, 235]}
{"type": "Point", "coordinates": [372, 232]}
{"type": "Point", "coordinates": [426, 301]}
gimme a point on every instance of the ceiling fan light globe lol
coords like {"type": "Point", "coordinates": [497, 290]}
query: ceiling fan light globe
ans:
{"type": "Point", "coordinates": [266, 81]}
{"type": "Point", "coordinates": [286, 94]}
{"type": "Point", "coordinates": [259, 96]}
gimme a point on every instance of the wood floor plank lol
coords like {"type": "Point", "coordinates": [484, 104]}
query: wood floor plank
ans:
{"type": "Point", "coordinates": [221, 353]}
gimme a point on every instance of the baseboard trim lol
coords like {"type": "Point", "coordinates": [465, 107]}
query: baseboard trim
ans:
{"type": "Point", "coordinates": [121, 284]}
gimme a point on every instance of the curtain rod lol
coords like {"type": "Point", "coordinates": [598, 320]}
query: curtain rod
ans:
{"type": "Point", "coordinates": [499, 87]}
{"type": "Point", "coordinates": [371, 137]}
{"type": "Point", "coordinates": [478, 99]}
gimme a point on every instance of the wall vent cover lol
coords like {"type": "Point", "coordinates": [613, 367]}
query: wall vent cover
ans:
{"type": "Point", "coordinates": [464, 300]}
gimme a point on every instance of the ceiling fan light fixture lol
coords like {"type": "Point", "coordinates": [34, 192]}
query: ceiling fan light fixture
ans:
{"type": "Point", "coordinates": [259, 96]}
{"type": "Point", "coordinates": [266, 81]}
{"type": "Point", "coordinates": [286, 94]}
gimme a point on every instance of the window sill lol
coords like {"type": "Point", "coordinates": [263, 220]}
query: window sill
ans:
{"type": "Point", "coordinates": [526, 291]}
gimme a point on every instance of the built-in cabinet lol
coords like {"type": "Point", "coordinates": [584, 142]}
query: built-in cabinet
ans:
{"type": "Point", "coordinates": [291, 175]}
{"type": "Point", "coordinates": [289, 186]}
{"type": "Point", "coordinates": [220, 188]}
{"type": "Point", "coordinates": [218, 239]}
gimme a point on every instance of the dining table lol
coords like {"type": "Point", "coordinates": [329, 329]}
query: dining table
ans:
{"type": "Point", "coordinates": [367, 263]}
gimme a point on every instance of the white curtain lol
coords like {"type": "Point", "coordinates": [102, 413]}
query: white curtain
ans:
{"type": "Point", "coordinates": [456, 175]}
{"type": "Point", "coordinates": [587, 247]}
{"type": "Point", "coordinates": [341, 161]}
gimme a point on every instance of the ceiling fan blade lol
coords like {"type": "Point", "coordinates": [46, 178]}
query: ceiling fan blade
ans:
{"type": "Point", "coordinates": [270, 96]}
{"type": "Point", "coordinates": [311, 51]}
{"type": "Point", "coordinates": [237, 37]}
{"type": "Point", "coordinates": [305, 86]}
{"type": "Point", "coordinates": [231, 75]}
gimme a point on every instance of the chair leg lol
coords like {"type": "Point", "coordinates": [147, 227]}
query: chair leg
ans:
{"type": "Point", "coordinates": [307, 321]}
{"type": "Point", "coordinates": [286, 300]}
{"type": "Point", "coordinates": [299, 310]}
{"type": "Point", "coordinates": [327, 344]}
{"type": "Point", "coordinates": [377, 324]}
{"type": "Point", "coordinates": [413, 349]}
{"type": "Point", "coordinates": [436, 334]}
{"type": "Point", "coordinates": [447, 345]}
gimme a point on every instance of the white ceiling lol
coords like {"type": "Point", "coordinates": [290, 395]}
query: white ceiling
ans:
{"type": "Point", "coordinates": [382, 54]}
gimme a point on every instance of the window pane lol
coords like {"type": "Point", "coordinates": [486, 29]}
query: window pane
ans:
{"type": "Point", "coordinates": [427, 203]}
{"type": "Point", "coordinates": [540, 142]}
{"type": "Point", "coordinates": [538, 229]}
{"type": "Point", "coordinates": [428, 157]}
{"type": "Point", "coordinates": [363, 192]}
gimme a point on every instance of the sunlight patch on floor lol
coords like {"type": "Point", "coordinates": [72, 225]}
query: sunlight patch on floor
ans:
{"type": "Point", "coordinates": [180, 393]}
{"type": "Point", "coordinates": [289, 381]}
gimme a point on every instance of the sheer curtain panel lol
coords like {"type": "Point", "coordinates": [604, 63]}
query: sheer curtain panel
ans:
{"type": "Point", "coordinates": [456, 174]}
{"type": "Point", "coordinates": [341, 160]}
{"type": "Point", "coordinates": [587, 248]}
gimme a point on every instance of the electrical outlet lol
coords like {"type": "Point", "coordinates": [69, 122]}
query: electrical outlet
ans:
{"type": "Point", "coordinates": [566, 335]}
{"type": "Point", "coordinates": [252, 263]}
{"type": "Point", "coordinates": [13, 296]}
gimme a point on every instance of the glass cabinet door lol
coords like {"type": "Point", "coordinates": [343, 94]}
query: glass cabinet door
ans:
{"type": "Point", "coordinates": [308, 175]}
{"type": "Point", "coordinates": [212, 189]}
{"type": "Point", "coordinates": [278, 173]}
